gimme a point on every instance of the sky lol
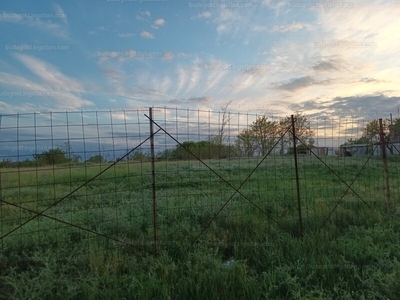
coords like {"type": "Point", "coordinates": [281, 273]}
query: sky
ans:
{"type": "Point", "coordinates": [263, 56]}
{"type": "Point", "coordinates": [332, 60]}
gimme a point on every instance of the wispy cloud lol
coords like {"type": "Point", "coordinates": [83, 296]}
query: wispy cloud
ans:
{"type": "Point", "coordinates": [300, 83]}
{"type": "Point", "coordinates": [168, 56]}
{"type": "Point", "coordinates": [146, 35]}
{"type": "Point", "coordinates": [304, 50]}
{"type": "Point", "coordinates": [58, 29]}
{"type": "Point", "coordinates": [195, 100]}
{"type": "Point", "coordinates": [228, 21]}
{"type": "Point", "coordinates": [143, 15]}
{"type": "Point", "coordinates": [59, 11]}
{"type": "Point", "coordinates": [326, 65]}
{"type": "Point", "coordinates": [126, 35]}
{"type": "Point", "coordinates": [158, 23]}
{"type": "Point", "coordinates": [296, 26]}
{"type": "Point", "coordinates": [203, 15]}
{"type": "Point", "coordinates": [62, 89]}
{"type": "Point", "coordinates": [260, 28]}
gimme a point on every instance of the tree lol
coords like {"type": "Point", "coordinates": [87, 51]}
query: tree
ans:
{"type": "Point", "coordinates": [245, 144]}
{"type": "Point", "coordinates": [139, 156]}
{"type": "Point", "coordinates": [224, 121]}
{"type": "Point", "coordinates": [397, 124]}
{"type": "Point", "coordinates": [303, 130]}
{"type": "Point", "coordinates": [69, 152]}
{"type": "Point", "coordinates": [361, 140]}
{"type": "Point", "coordinates": [265, 133]}
{"type": "Point", "coordinates": [97, 159]}
{"type": "Point", "coordinates": [261, 135]}
{"type": "Point", "coordinates": [395, 128]}
{"type": "Point", "coordinates": [52, 157]}
{"type": "Point", "coordinates": [371, 130]}
{"type": "Point", "coordinates": [201, 149]}
{"type": "Point", "coordinates": [165, 154]}
{"type": "Point", "coordinates": [6, 163]}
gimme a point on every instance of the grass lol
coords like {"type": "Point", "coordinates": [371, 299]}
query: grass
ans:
{"type": "Point", "coordinates": [251, 249]}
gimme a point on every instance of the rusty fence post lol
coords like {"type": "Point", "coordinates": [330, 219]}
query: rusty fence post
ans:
{"type": "Point", "coordinates": [385, 166]}
{"type": "Point", "coordinates": [153, 179]}
{"type": "Point", "coordinates": [297, 175]}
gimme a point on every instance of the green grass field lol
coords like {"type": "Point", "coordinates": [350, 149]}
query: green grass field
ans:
{"type": "Point", "coordinates": [97, 243]}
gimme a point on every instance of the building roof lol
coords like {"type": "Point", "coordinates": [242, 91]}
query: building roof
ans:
{"type": "Point", "coordinates": [355, 145]}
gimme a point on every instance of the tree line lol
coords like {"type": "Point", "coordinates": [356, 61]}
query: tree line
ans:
{"type": "Point", "coordinates": [258, 138]}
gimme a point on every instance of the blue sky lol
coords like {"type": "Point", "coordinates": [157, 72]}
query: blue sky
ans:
{"type": "Point", "coordinates": [273, 57]}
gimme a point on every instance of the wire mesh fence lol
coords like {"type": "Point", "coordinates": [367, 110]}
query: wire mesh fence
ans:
{"type": "Point", "coordinates": [161, 179]}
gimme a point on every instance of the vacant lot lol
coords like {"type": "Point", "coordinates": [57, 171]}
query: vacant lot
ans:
{"type": "Point", "coordinates": [212, 241]}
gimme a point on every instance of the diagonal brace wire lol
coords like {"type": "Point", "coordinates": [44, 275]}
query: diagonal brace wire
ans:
{"type": "Point", "coordinates": [237, 190]}
{"type": "Point", "coordinates": [348, 186]}
{"type": "Point", "coordinates": [76, 226]}
{"type": "Point", "coordinates": [78, 188]}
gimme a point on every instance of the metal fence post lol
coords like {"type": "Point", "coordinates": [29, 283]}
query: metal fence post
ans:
{"type": "Point", "coordinates": [153, 178]}
{"type": "Point", "coordinates": [297, 175]}
{"type": "Point", "coordinates": [385, 166]}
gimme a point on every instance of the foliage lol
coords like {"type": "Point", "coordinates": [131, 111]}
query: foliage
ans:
{"type": "Point", "coordinates": [371, 130]}
{"type": "Point", "coordinates": [139, 156]}
{"type": "Point", "coordinates": [395, 127]}
{"type": "Point", "coordinates": [263, 134]}
{"type": "Point", "coordinates": [361, 140]}
{"type": "Point", "coordinates": [97, 159]}
{"type": "Point", "coordinates": [26, 163]}
{"type": "Point", "coordinates": [165, 154]}
{"type": "Point", "coordinates": [56, 156]}
{"type": "Point", "coordinates": [73, 158]}
{"type": "Point", "coordinates": [51, 157]}
{"type": "Point", "coordinates": [301, 149]}
{"type": "Point", "coordinates": [303, 130]}
{"type": "Point", "coordinates": [202, 150]}
{"type": "Point", "coordinates": [246, 143]}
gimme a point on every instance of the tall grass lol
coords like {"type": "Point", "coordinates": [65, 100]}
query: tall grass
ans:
{"type": "Point", "coordinates": [251, 249]}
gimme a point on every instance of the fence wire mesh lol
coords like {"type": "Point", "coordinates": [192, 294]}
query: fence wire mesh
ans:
{"type": "Point", "coordinates": [87, 181]}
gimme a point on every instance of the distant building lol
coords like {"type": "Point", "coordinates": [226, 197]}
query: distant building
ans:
{"type": "Point", "coordinates": [356, 150]}
{"type": "Point", "coordinates": [391, 149]}
{"type": "Point", "coordinates": [318, 151]}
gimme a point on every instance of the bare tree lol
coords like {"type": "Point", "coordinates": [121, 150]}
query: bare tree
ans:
{"type": "Point", "coordinates": [225, 118]}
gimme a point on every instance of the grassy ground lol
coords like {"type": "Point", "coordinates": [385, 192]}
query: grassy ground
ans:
{"type": "Point", "coordinates": [249, 247]}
